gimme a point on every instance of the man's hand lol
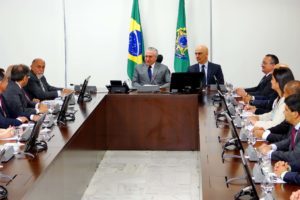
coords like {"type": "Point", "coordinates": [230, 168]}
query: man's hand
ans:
{"type": "Point", "coordinates": [258, 132]}
{"type": "Point", "coordinates": [23, 119]}
{"type": "Point", "coordinates": [281, 167]}
{"type": "Point", "coordinates": [295, 195]}
{"type": "Point", "coordinates": [253, 119]}
{"type": "Point", "coordinates": [264, 149]}
{"type": "Point", "coordinates": [36, 100]}
{"type": "Point", "coordinates": [7, 133]}
{"type": "Point", "coordinates": [241, 92]}
{"type": "Point", "coordinates": [250, 108]}
{"type": "Point", "coordinates": [35, 118]}
{"type": "Point", "coordinates": [66, 91]}
{"type": "Point", "coordinates": [247, 98]}
{"type": "Point", "coordinates": [43, 108]}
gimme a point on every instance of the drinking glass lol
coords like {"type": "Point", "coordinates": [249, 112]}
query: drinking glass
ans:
{"type": "Point", "coordinates": [267, 185]}
{"type": "Point", "coordinates": [251, 139]}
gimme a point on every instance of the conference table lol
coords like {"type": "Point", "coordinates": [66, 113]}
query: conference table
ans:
{"type": "Point", "coordinates": [135, 121]}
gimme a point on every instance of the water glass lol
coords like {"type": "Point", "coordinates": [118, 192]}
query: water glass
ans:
{"type": "Point", "coordinates": [266, 165]}
{"type": "Point", "coordinates": [251, 139]}
{"type": "Point", "coordinates": [267, 185]}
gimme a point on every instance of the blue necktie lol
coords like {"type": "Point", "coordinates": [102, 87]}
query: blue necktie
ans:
{"type": "Point", "coordinates": [150, 72]}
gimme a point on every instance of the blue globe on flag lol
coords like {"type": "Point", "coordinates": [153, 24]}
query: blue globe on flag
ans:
{"type": "Point", "coordinates": [182, 41]}
{"type": "Point", "coordinates": [135, 43]}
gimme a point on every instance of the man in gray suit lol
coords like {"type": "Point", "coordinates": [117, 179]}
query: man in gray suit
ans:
{"type": "Point", "coordinates": [151, 72]}
{"type": "Point", "coordinates": [288, 149]}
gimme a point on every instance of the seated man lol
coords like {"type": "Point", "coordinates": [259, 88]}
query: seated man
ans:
{"type": "Point", "coordinates": [38, 87]}
{"type": "Point", "coordinates": [290, 173]}
{"type": "Point", "coordinates": [16, 99]}
{"type": "Point", "coordinates": [264, 87]}
{"type": "Point", "coordinates": [151, 72]}
{"type": "Point", "coordinates": [208, 68]}
{"type": "Point", "coordinates": [288, 149]}
{"type": "Point", "coordinates": [5, 120]}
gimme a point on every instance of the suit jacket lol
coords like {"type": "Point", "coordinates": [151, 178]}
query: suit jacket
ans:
{"type": "Point", "coordinates": [212, 70]}
{"type": "Point", "coordinates": [284, 150]}
{"type": "Point", "coordinates": [160, 76]}
{"type": "Point", "coordinates": [264, 88]}
{"type": "Point", "coordinates": [292, 177]}
{"type": "Point", "coordinates": [17, 103]}
{"type": "Point", "coordinates": [279, 132]}
{"type": "Point", "coordinates": [264, 104]}
{"type": "Point", "coordinates": [5, 122]}
{"type": "Point", "coordinates": [34, 88]}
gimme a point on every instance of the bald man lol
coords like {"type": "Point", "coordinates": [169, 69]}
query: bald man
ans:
{"type": "Point", "coordinates": [38, 86]}
{"type": "Point", "coordinates": [208, 68]}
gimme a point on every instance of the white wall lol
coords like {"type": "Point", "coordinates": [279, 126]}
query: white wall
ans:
{"type": "Point", "coordinates": [97, 33]}
{"type": "Point", "coordinates": [243, 31]}
{"type": "Point", "coordinates": [30, 29]}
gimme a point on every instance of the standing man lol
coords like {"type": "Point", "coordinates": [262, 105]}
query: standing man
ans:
{"type": "Point", "coordinates": [151, 72]}
{"type": "Point", "coordinates": [208, 68]}
{"type": "Point", "coordinates": [38, 87]}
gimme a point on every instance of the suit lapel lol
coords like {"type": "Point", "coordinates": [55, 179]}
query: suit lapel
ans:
{"type": "Point", "coordinates": [155, 71]}
{"type": "Point", "coordinates": [209, 71]}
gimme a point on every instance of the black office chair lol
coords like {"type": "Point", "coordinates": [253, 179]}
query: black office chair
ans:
{"type": "Point", "coordinates": [159, 58]}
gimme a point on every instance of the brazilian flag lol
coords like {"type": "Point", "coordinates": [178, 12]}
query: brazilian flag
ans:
{"type": "Point", "coordinates": [136, 46]}
{"type": "Point", "coordinates": [181, 61]}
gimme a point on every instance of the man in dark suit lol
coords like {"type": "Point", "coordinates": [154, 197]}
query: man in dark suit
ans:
{"type": "Point", "coordinates": [5, 120]}
{"type": "Point", "coordinates": [208, 68]}
{"type": "Point", "coordinates": [288, 149]}
{"type": "Point", "coordinates": [16, 99]}
{"type": "Point", "coordinates": [151, 72]}
{"type": "Point", "coordinates": [290, 173]}
{"type": "Point", "coordinates": [38, 87]}
{"type": "Point", "coordinates": [264, 87]}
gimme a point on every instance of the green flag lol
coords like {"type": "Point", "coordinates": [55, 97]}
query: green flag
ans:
{"type": "Point", "coordinates": [136, 46]}
{"type": "Point", "coordinates": [181, 60]}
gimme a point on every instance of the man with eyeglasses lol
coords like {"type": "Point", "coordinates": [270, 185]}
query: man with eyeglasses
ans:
{"type": "Point", "coordinates": [208, 68]}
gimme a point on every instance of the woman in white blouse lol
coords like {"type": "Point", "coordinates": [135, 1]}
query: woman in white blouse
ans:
{"type": "Point", "coordinates": [280, 77]}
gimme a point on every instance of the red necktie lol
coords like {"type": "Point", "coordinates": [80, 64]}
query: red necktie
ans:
{"type": "Point", "coordinates": [293, 137]}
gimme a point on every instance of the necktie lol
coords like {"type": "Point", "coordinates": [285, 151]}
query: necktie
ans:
{"type": "Point", "coordinates": [293, 137]}
{"type": "Point", "coordinates": [150, 72]}
{"type": "Point", "coordinates": [42, 85]}
{"type": "Point", "coordinates": [26, 95]}
{"type": "Point", "coordinates": [263, 79]}
{"type": "Point", "coordinates": [3, 106]}
{"type": "Point", "coordinates": [204, 77]}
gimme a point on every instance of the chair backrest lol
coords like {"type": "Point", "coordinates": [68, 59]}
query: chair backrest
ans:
{"type": "Point", "coordinates": [159, 58]}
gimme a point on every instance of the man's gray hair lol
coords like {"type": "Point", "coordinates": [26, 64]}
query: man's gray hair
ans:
{"type": "Point", "coordinates": [153, 49]}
